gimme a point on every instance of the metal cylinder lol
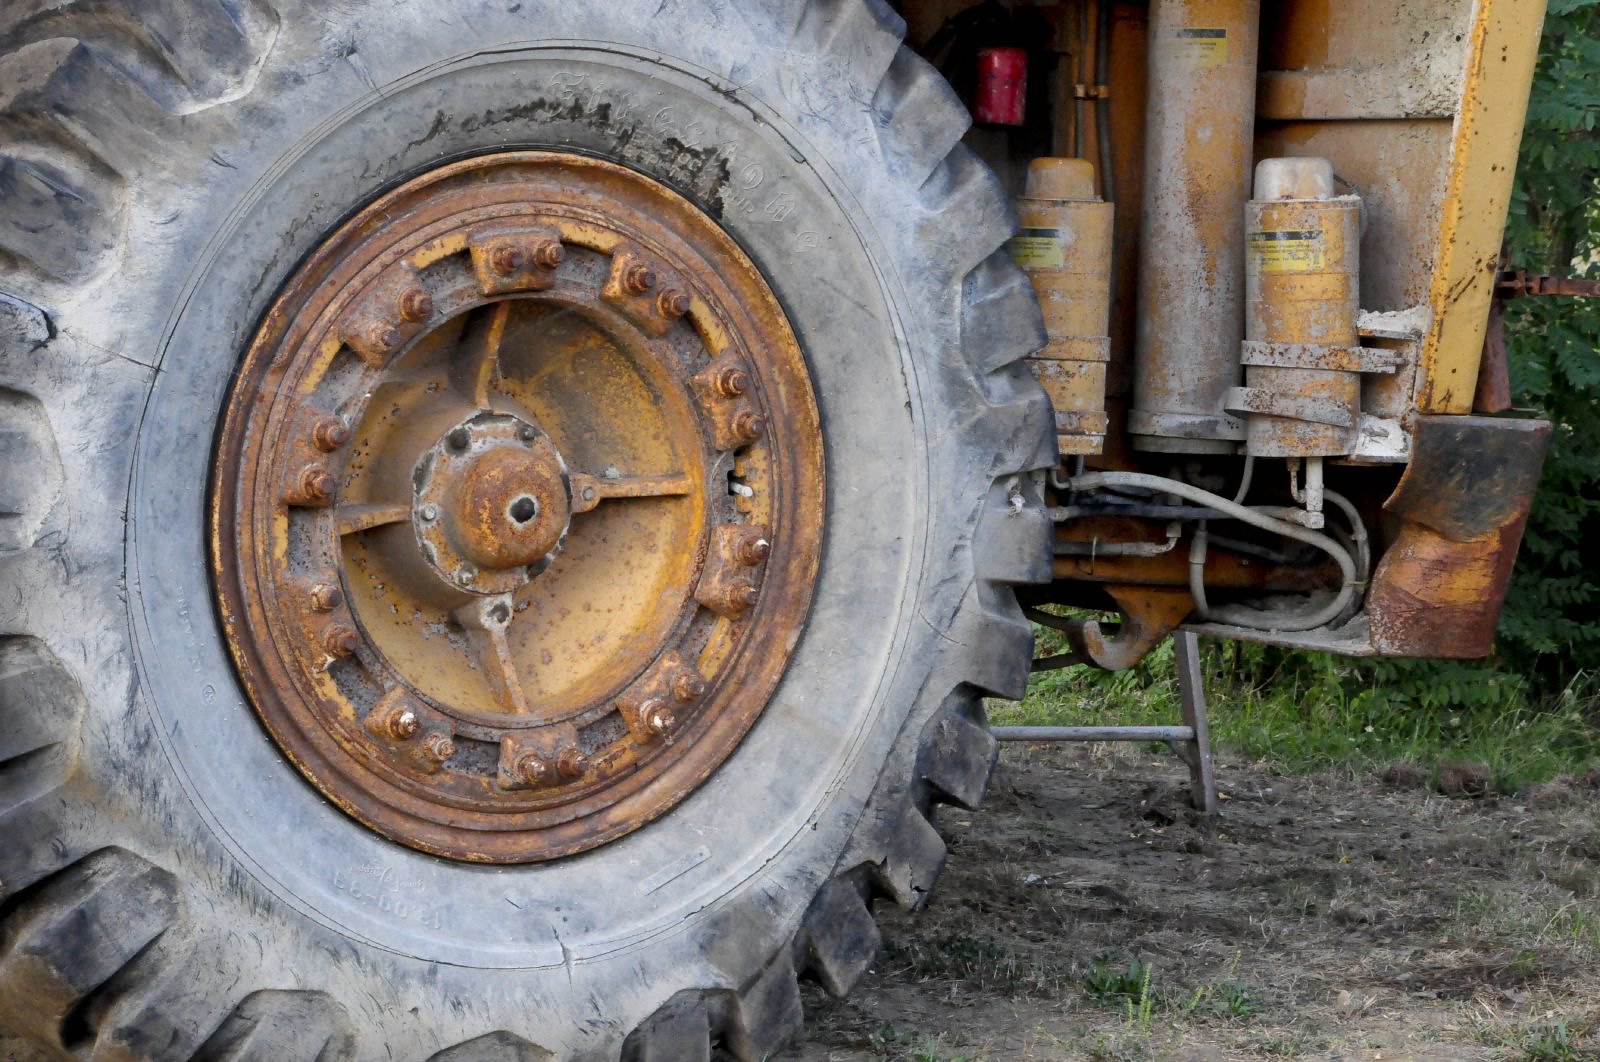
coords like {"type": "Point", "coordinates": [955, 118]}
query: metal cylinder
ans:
{"type": "Point", "coordinates": [1302, 393]}
{"type": "Point", "coordinates": [1002, 87]}
{"type": "Point", "coordinates": [1065, 248]}
{"type": "Point", "coordinates": [1200, 117]}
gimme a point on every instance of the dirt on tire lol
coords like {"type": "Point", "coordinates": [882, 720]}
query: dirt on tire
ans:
{"type": "Point", "coordinates": [1088, 912]}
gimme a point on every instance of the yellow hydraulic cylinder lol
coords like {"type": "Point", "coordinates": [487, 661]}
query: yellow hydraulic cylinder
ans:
{"type": "Point", "coordinates": [1200, 120]}
{"type": "Point", "coordinates": [1302, 359]}
{"type": "Point", "coordinates": [1065, 248]}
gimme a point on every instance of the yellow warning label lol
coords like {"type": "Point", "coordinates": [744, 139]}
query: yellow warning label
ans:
{"type": "Point", "coordinates": [1199, 46]}
{"type": "Point", "coordinates": [1295, 251]}
{"type": "Point", "coordinates": [1038, 248]}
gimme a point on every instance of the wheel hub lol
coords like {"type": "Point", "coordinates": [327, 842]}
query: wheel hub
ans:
{"type": "Point", "coordinates": [517, 507]}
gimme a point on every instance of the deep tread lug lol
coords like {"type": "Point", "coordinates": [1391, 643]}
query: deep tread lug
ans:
{"type": "Point", "coordinates": [498, 1046]}
{"type": "Point", "coordinates": [958, 752]}
{"type": "Point", "coordinates": [768, 1013]}
{"type": "Point", "coordinates": [963, 187]}
{"type": "Point", "coordinates": [841, 939]}
{"type": "Point", "coordinates": [282, 1025]}
{"type": "Point", "coordinates": [75, 932]}
{"type": "Point", "coordinates": [918, 115]}
{"type": "Point", "coordinates": [913, 861]}
{"type": "Point", "coordinates": [679, 1031]}
{"type": "Point", "coordinates": [860, 37]}
{"type": "Point", "coordinates": [1001, 321]}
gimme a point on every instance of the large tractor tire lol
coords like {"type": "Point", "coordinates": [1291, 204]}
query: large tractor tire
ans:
{"type": "Point", "coordinates": [508, 519]}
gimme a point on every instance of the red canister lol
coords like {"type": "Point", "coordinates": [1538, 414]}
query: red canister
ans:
{"type": "Point", "coordinates": [1002, 86]}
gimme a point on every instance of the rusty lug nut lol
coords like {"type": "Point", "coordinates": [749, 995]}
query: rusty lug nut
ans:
{"type": "Point", "coordinates": [731, 382]}
{"type": "Point", "coordinates": [430, 513]}
{"type": "Point", "coordinates": [505, 259]}
{"type": "Point", "coordinates": [317, 483]}
{"type": "Point", "coordinates": [753, 551]}
{"type": "Point", "coordinates": [736, 597]}
{"type": "Point", "coordinates": [529, 768]}
{"type": "Point", "coordinates": [749, 425]}
{"type": "Point", "coordinates": [340, 640]}
{"type": "Point", "coordinates": [688, 686]}
{"type": "Point", "coordinates": [405, 726]}
{"type": "Point", "coordinates": [459, 439]}
{"type": "Point", "coordinates": [416, 305]}
{"type": "Point", "coordinates": [660, 721]}
{"type": "Point", "coordinates": [549, 254]}
{"type": "Point", "coordinates": [329, 433]}
{"type": "Point", "coordinates": [464, 576]}
{"type": "Point", "coordinates": [325, 597]}
{"type": "Point", "coordinates": [437, 746]}
{"type": "Point", "coordinates": [673, 303]}
{"type": "Point", "coordinates": [571, 762]}
{"type": "Point", "coordinates": [638, 279]}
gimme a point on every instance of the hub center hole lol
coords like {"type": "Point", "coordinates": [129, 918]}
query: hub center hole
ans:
{"type": "Point", "coordinates": [524, 509]}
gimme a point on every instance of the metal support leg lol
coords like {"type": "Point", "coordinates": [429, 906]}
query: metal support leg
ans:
{"type": "Point", "coordinates": [1192, 695]}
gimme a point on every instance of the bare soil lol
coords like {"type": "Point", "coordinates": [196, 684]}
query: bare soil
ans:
{"type": "Point", "coordinates": [1088, 912]}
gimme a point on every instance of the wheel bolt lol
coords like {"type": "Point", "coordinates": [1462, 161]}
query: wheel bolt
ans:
{"type": "Point", "coordinates": [688, 686]}
{"type": "Point", "coordinates": [505, 259]}
{"type": "Point", "coordinates": [741, 596]}
{"type": "Point", "coordinates": [549, 254]}
{"type": "Point", "coordinates": [340, 640]}
{"type": "Point", "coordinates": [749, 425]}
{"type": "Point", "coordinates": [416, 305]}
{"type": "Point", "coordinates": [529, 768]}
{"type": "Point", "coordinates": [660, 721]}
{"type": "Point", "coordinates": [329, 433]}
{"type": "Point", "coordinates": [317, 483]}
{"type": "Point", "coordinates": [325, 597]}
{"type": "Point", "coordinates": [464, 576]}
{"type": "Point", "coordinates": [673, 303]}
{"type": "Point", "coordinates": [405, 725]}
{"type": "Point", "coordinates": [753, 551]}
{"type": "Point", "coordinates": [638, 279]}
{"type": "Point", "coordinates": [386, 336]}
{"type": "Point", "coordinates": [459, 439]}
{"type": "Point", "coordinates": [430, 513]}
{"type": "Point", "coordinates": [571, 762]}
{"type": "Point", "coordinates": [730, 382]}
{"type": "Point", "coordinates": [438, 747]}
{"type": "Point", "coordinates": [526, 433]}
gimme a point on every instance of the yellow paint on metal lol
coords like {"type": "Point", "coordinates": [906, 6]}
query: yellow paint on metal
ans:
{"type": "Point", "coordinates": [1488, 130]}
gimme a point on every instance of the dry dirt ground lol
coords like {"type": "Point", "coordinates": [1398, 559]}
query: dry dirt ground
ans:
{"type": "Point", "coordinates": [1087, 912]}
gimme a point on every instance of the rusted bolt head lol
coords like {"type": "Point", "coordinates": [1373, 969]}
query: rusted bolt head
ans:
{"type": "Point", "coordinates": [405, 725]}
{"type": "Point", "coordinates": [742, 595]}
{"type": "Point", "coordinates": [660, 721]}
{"type": "Point", "coordinates": [688, 686]}
{"type": "Point", "coordinates": [549, 254]}
{"type": "Point", "coordinates": [459, 438]}
{"type": "Point", "coordinates": [571, 762]}
{"type": "Point", "coordinates": [527, 433]}
{"type": "Point", "coordinates": [430, 513]}
{"type": "Point", "coordinates": [385, 336]}
{"type": "Point", "coordinates": [505, 259]}
{"type": "Point", "coordinates": [673, 303]}
{"type": "Point", "coordinates": [730, 381]}
{"type": "Point", "coordinates": [415, 305]}
{"type": "Point", "coordinates": [749, 425]}
{"type": "Point", "coordinates": [588, 494]}
{"type": "Point", "coordinates": [464, 576]}
{"type": "Point", "coordinates": [437, 746]}
{"type": "Point", "coordinates": [754, 550]}
{"type": "Point", "coordinates": [529, 767]}
{"type": "Point", "coordinates": [325, 597]}
{"type": "Point", "coordinates": [317, 483]}
{"type": "Point", "coordinates": [329, 433]}
{"type": "Point", "coordinates": [340, 640]}
{"type": "Point", "coordinates": [639, 279]}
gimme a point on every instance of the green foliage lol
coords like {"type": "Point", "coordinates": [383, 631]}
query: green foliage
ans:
{"type": "Point", "coordinates": [1551, 626]}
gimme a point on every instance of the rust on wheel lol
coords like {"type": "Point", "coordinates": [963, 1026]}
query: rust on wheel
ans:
{"type": "Point", "coordinates": [517, 507]}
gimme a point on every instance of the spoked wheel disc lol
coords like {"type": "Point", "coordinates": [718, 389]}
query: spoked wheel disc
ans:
{"type": "Point", "coordinates": [517, 507]}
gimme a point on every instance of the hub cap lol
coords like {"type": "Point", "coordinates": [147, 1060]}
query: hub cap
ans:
{"type": "Point", "coordinates": [517, 507]}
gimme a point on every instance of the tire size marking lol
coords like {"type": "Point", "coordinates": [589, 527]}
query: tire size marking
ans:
{"type": "Point", "coordinates": [381, 889]}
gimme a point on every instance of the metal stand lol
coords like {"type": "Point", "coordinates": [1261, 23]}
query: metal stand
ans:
{"type": "Point", "coordinates": [1192, 741]}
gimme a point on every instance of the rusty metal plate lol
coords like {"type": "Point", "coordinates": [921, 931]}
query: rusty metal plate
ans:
{"type": "Point", "coordinates": [517, 507]}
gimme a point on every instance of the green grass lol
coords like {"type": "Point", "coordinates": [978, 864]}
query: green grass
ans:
{"type": "Point", "coordinates": [1303, 712]}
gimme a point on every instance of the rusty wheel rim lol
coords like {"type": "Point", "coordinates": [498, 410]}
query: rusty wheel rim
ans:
{"type": "Point", "coordinates": [517, 507]}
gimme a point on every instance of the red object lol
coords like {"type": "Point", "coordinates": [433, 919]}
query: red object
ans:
{"type": "Point", "coordinates": [1002, 86]}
